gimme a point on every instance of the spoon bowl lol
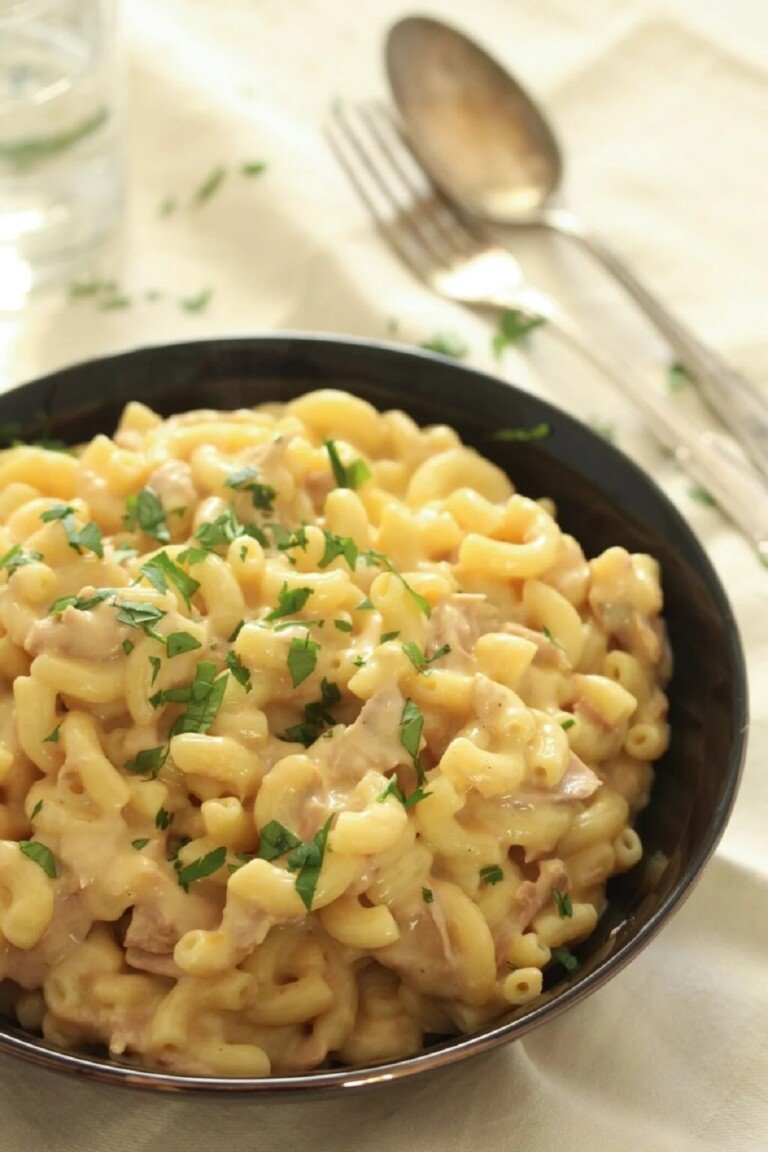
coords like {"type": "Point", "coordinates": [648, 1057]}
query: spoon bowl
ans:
{"type": "Point", "coordinates": [489, 147]}
{"type": "Point", "coordinates": [473, 127]}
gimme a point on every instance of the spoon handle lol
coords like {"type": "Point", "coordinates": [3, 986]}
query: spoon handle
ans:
{"type": "Point", "coordinates": [739, 489]}
{"type": "Point", "coordinates": [735, 399]}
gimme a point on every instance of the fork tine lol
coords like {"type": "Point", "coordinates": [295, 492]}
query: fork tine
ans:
{"type": "Point", "coordinates": [415, 183]}
{"type": "Point", "coordinates": [412, 203]}
{"type": "Point", "coordinates": [373, 191]}
{"type": "Point", "coordinates": [446, 234]}
{"type": "Point", "coordinates": [463, 234]}
{"type": "Point", "coordinates": [412, 176]}
{"type": "Point", "coordinates": [334, 135]}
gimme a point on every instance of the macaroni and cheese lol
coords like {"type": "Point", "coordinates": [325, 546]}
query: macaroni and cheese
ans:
{"type": "Point", "coordinates": [316, 737]}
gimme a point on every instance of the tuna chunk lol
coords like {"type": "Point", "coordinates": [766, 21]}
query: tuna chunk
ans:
{"type": "Point", "coordinates": [91, 635]}
{"type": "Point", "coordinates": [371, 743]}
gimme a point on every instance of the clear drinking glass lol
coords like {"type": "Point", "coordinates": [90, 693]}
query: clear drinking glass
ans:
{"type": "Point", "coordinates": [60, 161]}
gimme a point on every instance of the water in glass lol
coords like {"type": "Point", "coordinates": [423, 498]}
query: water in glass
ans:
{"type": "Point", "coordinates": [60, 163]}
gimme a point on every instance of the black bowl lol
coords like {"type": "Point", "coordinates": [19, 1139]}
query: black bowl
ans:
{"type": "Point", "coordinates": [602, 498]}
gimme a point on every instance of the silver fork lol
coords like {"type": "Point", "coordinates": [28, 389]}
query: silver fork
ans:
{"type": "Point", "coordinates": [457, 258]}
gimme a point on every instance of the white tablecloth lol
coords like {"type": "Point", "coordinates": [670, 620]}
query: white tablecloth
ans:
{"type": "Point", "coordinates": [667, 138]}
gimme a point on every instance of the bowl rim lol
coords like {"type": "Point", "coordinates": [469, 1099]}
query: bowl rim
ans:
{"type": "Point", "coordinates": [311, 1085]}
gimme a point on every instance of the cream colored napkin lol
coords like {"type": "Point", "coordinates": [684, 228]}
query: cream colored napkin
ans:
{"type": "Point", "coordinates": [667, 137]}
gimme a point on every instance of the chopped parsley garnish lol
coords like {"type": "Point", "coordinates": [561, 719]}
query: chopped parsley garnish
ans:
{"type": "Point", "coordinates": [223, 530]}
{"type": "Point", "coordinates": [335, 546]}
{"type": "Point", "coordinates": [260, 535]}
{"type": "Point", "coordinates": [330, 695]}
{"type": "Point", "coordinates": [139, 844]}
{"type": "Point", "coordinates": [359, 661]}
{"type": "Point", "coordinates": [346, 476]}
{"type": "Point", "coordinates": [413, 798]}
{"type": "Point", "coordinates": [551, 639]}
{"type": "Point", "coordinates": [421, 662]}
{"type": "Point", "coordinates": [565, 957]}
{"type": "Point", "coordinates": [82, 289]}
{"type": "Point", "coordinates": [491, 874]}
{"type": "Point", "coordinates": [40, 854]}
{"type": "Point", "coordinates": [307, 859]}
{"type": "Point", "coordinates": [145, 509]}
{"type": "Point", "coordinates": [173, 854]}
{"type": "Point", "coordinates": [393, 789]}
{"type": "Point", "coordinates": [137, 614]}
{"type": "Point", "coordinates": [178, 642]}
{"type": "Point", "coordinates": [563, 901]}
{"type": "Point", "coordinates": [191, 556]}
{"type": "Point", "coordinates": [514, 326]}
{"type": "Point", "coordinates": [114, 303]}
{"type": "Point", "coordinates": [427, 895]}
{"type": "Point", "coordinates": [316, 716]}
{"type": "Point", "coordinates": [388, 636]}
{"type": "Point", "coordinates": [365, 605]}
{"type": "Point", "coordinates": [245, 480]}
{"type": "Point", "coordinates": [202, 867]}
{"type": "Point", "coordinates": [203, 698]}
{"type": "Point", "coordinates": [47, 445]}
{"type": "Point", "coordinates": [88, 537]}
{"type": "Point", "coordinates": [566, 725]}
{"type": "Point", "coordinates": [149, 760]}
{"type": "Point", "coordinates": [209, 186]}
{"type": "Point", "coordinates": [156, 663]}
{"type": "Point", "coordinates": [17, 557]}
{"type": "Point", "coordinates": [162, 819]}
{"type": "Point", "coordinates": [166, 207]}
{"type": "Point", "coordinates": [286, 539]}
{"type": "Point", "coordinates": [253, 168]}
{"type": "Point", "coordinates": [53, 737]}
{"type": "Point", "coordinates": [275, 840]}
{"type": "Point", "coordinates": [411, 728]}
{"type": "Point", "coordinates": [302, 659]}
{"type": "Point", "coordinates": [160, 569]}
{"type": "Point", "coordinates": [371, 556]}
{"type": "Point", "coordinates": [524, 435]}
{"type": "Point", "coordinates": [696, 492]}
{"type": "Point", "coordinates": [197, 303]}
{"type": "Point", "coordinates": [677, 377]}
{"type": "Point", "coordinates": [289, 602]}
{"type": "Point", "coordinates": [81, 603]}
{"type": "Point", "coordinates": [447, 344]}
{"type": "Point", "coordinates": [36, 810]}
{"type": "Point", "coordinates": [305, 734]}
{"type": "Point", "coordinates": [343, 625]}
{"type": "Point", "coordinates": [128, 646]}
{"type": "Point", "coordinates": [238, 670]}
{"type": "Point", "coordinates": [236, 632]}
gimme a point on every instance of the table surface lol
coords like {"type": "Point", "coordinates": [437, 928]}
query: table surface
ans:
{"type": "Point", "coordinates": [664, 112]}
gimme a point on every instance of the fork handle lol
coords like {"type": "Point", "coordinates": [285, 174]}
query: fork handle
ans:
{"type": "Point", "coordinates": [741, 406]}
{"type": "Point", "coordinates": [738, 488]}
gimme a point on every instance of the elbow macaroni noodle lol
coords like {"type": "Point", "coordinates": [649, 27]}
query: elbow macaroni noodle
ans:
{"type": "Point", "coordinates": [315, 736]}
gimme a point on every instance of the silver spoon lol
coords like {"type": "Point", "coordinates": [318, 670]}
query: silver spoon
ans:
{"type": "Point", "coordinates": [489, 147]}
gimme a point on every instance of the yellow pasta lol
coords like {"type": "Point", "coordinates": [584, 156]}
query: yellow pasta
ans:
{"type": "Point", "coordinates": [315, 737]}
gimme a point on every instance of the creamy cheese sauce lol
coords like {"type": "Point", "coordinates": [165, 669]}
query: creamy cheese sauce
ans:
{"type": "Point", "coordinates": [305, 750]}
